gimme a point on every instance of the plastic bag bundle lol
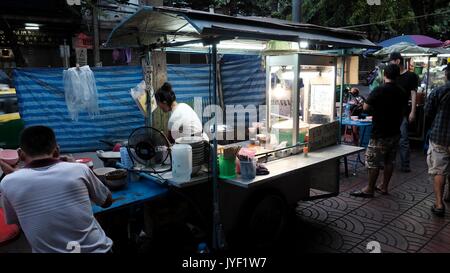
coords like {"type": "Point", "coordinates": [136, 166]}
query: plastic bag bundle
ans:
{"type": "Point", "coordinates": [80, 91]}
{"type": "Point", "coordinates": [139, 95]}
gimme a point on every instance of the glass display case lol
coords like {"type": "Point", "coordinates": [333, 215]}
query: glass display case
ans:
{"type": "Point", "coordinates": [300, 96]}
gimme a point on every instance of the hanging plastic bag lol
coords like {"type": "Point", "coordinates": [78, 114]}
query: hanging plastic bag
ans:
{"type": "Point", "coordinates": [80, 91]}
{"type": "Point", "coordinates": [140, 97]}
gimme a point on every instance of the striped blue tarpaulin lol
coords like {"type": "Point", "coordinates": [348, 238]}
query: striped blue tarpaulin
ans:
{"type": "Point", "coordinates": [41, 101]}
{"type": "Point", "coordinates": [243, 82]}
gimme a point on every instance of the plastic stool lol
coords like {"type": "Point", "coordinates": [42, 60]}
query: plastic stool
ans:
{"type": "Point", "coordinates": [7, 232]}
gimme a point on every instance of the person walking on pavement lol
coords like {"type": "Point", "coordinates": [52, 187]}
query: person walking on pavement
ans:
{"type": "Point", "coordinates": [437, 111]}
{"type": "Point", "coordinates": [409, 82]}
{"type": "Point", "coordinates": [383, 102]}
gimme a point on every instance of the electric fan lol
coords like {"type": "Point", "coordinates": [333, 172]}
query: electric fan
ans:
{"type": "Point", "coordinates": [149, 150]}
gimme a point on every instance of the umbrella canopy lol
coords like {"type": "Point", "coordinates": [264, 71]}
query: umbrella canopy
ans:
{"type": "Point", "coordinates": [404, 48]}
{"type": "Point", "coordinates": [418, 40]}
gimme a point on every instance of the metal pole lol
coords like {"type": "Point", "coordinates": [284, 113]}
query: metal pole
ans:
{"type": "Point", "coordinates": [341, 95]}
{"type": "Point", "coordinates": [296, 11]}
{"type": "Point", "coordinates": [428, 76]}
{"type": "Point", "coordinates": [96, 35]}
{"type": "Point", "coordinates": [218, 240]}
{"type": "Point", "coordinates": [148, 78]}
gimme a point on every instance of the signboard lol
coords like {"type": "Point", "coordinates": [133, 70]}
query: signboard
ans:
{"type": "Point", "coordinates": [322, 99]}
{"type": "Point", "coordinates": [81, 54]}
{"type": "Point", "coordinates": [323, 136]}
{"type": "Point", "coordinates": [82, 40]}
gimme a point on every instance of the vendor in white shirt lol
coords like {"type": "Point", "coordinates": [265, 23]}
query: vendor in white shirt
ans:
{"type": "Point", "coordinates": [183, 120]}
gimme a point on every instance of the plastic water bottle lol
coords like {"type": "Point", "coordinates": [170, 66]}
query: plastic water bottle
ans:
{"type": "Point", "coordinates": [125, 158]}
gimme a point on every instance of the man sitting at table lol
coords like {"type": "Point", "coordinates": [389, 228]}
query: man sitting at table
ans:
{"type": "Point", "coordinates": [51, 199]}
{"type": "Point", "coordinates": [384, 103]}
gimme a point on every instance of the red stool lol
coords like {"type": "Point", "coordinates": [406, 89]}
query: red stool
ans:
{"type": "Point", "coordinates": [7, 232]}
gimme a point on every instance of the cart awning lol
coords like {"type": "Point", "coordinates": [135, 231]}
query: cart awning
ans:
{"type": "Point", "coordinates": [165, 26]}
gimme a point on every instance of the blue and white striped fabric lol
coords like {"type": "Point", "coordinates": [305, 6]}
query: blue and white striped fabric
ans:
{"type": "Point", "coordinates": [190, 81]}
{"type": "Point", "coordinates": [41, 101]}
{"type": "Point", "coordinates": [243, 82]}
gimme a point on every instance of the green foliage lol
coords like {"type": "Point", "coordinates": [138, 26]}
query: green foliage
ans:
{"type": "Point", "coordinates": [391, 18]}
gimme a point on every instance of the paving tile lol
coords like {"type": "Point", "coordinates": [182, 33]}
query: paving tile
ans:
{"type": "Point", "coordinates": [357, 225]}
{"type": "Point", "coordinates": [378, 214]}
{"type": "Point", "coordinates": [320, 213]}
{"type": "Point", "coordinates": [337, 239]}
{"type": "Point", "coordinates": [440, 243]}
{"type": "Point", "coordinates": [363, 248]}
{"type": "Point", "coordinates": [400, 239]}
{"type": "Point", "coordinates": [400, 222]}
{"type": "Point", "coordinates": [343, 203]}
{"type": "Point", "coordinates": [390, 203]}
{"type": "Point", "coordinates": [419, 226]}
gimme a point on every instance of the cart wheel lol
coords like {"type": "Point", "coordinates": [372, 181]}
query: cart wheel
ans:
{"type": "Point", "coordinates": [265, 221]}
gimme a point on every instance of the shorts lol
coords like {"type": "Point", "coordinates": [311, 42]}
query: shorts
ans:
{"type": "Point", "coordinates": [438, 159]}
{"type": "Point", "coordinates": [381, 151]}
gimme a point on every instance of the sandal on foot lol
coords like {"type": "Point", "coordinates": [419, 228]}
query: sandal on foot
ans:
{"type": "Point", "coordinates": [380, 191]}
{"type": "Point", "coordinates": [361, 194]}
{"type": "Point", "coordinates": [438, 212]}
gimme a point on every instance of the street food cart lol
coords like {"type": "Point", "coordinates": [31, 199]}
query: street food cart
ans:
{"type": "Point", "coordinates": [300, 112]}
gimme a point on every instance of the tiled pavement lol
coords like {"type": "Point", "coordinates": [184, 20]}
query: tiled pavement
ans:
{"type": "Point", "coordinates": [400, 222]}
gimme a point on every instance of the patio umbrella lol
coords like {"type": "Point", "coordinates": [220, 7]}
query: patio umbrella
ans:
{"type": "Point", "coordinates": [402, 48]}
{"type": "Point", "coordinates": [418, 40]}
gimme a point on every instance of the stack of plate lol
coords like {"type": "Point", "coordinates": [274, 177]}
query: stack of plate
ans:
{"type": "Point", "coordinates": [198, 151]}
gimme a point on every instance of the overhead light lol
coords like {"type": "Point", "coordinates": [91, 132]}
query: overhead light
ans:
{"type": "Point", "coordinates": [304, 44]}
{"type": "Point", "coordinates": [330, 46]}
{"type": "Point", "coordinates": [31, 25]}
{"type": "Point", "coordinates": [32, 28]}
{"type": "Point", "coordinates": [280, 92]}
{"type": "Point", "coordinates": [243, 46]}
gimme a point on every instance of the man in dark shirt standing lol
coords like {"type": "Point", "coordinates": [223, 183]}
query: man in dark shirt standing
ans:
{"type": "Point", "coordinates": [437, 110]}
{"type": "Point", "coordinates": [409, 82]}
{"type": "Point", "coordinates": [384, 103]}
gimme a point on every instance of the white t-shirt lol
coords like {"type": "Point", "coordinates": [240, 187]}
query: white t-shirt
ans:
{"type": "Point", "coordinates": [184, 122]}
{"type": "Point", "coordinates": [52, 204]}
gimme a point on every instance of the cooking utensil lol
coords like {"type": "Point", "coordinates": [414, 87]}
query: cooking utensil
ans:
{"type": "Point", "coordinates": [116, 179]}
{"type": "Point", "coordinates": [101, 172]}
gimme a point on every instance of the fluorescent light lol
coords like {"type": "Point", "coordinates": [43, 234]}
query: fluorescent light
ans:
{"type": "Point", "coordinates": [243, 46]}
{"type": "Point", "coordinates": [31, 25]}
{"type": "Point", "coordinates": [32, 28]}
{"type": "Point", "coordinates": [415, 54]}
{"type": "Point", "coordinates": [304, 44]}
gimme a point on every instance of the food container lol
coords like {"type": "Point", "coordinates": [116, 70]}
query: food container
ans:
{"type": "Point", "coordinates": [11, 157]}
{"type": "Point", "coordinates": [227, 167]}
{"type": "Point", "coordinates": [282, 153]}
{"type": "Point", "coordinates": [116, 179]}
{"type": "Point", "coordinates": [87, 161]}
{"type": "Point", "coordinates": [101, 172]}
{"type": "Point", "coordinates": [248, 169]}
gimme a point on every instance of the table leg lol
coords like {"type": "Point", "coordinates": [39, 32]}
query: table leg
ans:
{"type": "Point", "coordinates": [346, 166]}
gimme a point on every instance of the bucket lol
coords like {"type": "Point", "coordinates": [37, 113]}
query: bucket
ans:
{"type": "Point", "coordinates": [248, 169]}
{"type": "Point", "coordinates": [227, 168]}
{"type": "Point", "coordinates": [181, 162]}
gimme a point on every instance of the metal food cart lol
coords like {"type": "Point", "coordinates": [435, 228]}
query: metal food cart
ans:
{"type": "Point", "coordinates": [259, 207]}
